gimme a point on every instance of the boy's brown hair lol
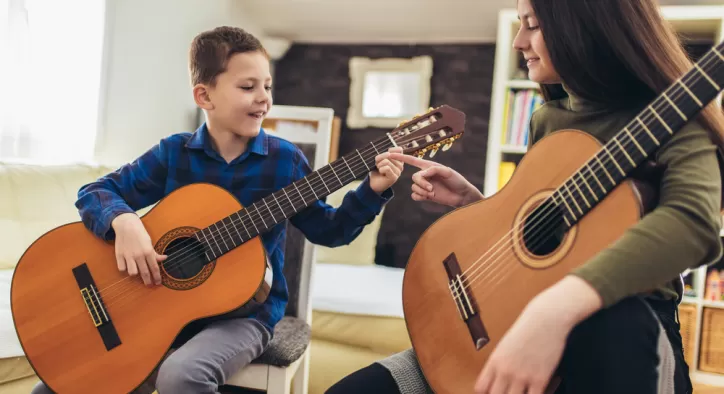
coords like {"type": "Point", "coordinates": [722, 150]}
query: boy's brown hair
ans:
{"type": "Point", "coordinates": [211, 50]}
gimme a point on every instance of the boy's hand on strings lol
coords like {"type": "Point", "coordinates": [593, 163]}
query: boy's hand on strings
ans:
{"type": "Point", "coordinates": [134, 250]}
{"type": "Point", "coordinates": [387, 172]}
{"type": "Point", "coordinates": [439, 183]}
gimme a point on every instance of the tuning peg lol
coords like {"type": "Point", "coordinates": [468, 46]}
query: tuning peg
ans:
{"type": "Point", "coordinates": [446, 147]}
{"type": "Point", "coordinates": [433, 152]}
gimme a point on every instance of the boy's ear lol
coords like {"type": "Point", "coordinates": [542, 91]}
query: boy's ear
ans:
{"type": "Point", "coordinates": [201, 97]}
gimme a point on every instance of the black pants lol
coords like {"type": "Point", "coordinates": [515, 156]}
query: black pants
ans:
{"type": "Point", "coordinates": [615, 351]}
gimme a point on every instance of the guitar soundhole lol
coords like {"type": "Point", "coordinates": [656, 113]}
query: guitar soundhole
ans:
{"type": "Point", "coordinates": [185, 258]}
{"type": "Point", "coordinates": [544, 229]}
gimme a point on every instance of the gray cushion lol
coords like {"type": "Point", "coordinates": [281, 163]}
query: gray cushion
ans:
{"type": "Point", "coordinates": [291, 338]}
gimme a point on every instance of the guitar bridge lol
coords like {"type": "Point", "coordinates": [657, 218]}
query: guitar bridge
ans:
{"type": "Point", "coordinates": [465, 302]}
{"type": "Point", "coordinates": [96, 308]}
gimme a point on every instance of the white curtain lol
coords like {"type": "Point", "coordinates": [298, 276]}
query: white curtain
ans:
{"type": "Point", "coordinates": [50, 68]}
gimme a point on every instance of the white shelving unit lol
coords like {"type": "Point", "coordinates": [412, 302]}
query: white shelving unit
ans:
{"type": "Point", "coordinates": [693, 21]}
{"type": "Point", "coordinates": [706, 22]}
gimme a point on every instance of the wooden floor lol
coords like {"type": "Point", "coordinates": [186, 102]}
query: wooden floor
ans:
{"type": "Point", "coordinates": [701, 389]}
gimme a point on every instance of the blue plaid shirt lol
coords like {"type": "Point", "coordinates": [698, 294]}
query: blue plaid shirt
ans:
{"type": "Point", "coordinates": [269, 164]}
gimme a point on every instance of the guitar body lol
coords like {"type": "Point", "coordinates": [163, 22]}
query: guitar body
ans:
{"type": "Point", "coordinates": [53, 318]}
{"type": "Point", "coordinates": [510, 275]}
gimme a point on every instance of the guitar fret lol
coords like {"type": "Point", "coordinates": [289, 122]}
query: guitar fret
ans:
{"type": "Point", "coordinates": [196, 235]}
{"type": "Point", "coordinates": [310, 186]}
{"type": "Point", "coordinates": [248, 213]}
{"type": "Point", "coordinates": [633, 163]}
{"type": "Point", "coordinates": [565, 184]}
{"type": "Point", "coordinates": [290, 200]}
{"type": "Point", "coordinates": [231, 237]}
{"type": "Point", "coordinates": [242, 223]}
{"type": "Point", "coordinates": [391, 140]}
{"type": "Point", "coordinates": [241, 239]}
{"type": "Point", "coordinates": [270, 211]}
{"type": "Point", "coordinates": [373, 146]}
{"type": "Point", "coordinates": [708, 78]}
{"type": "Point", "coordinates": [614, 162]}
{"type": "Point", "coordinates": [335, 174]}
{"type": "Point", "coordinates": [260, 216]}
{"type": "Point", "coordinates": [582, 195]}
{"type": "Point", "coordinates": [661, 120]}
{"type": "Point", "coordinates": [606, 171]}
{"type": "Point", "coordinates": [570, 211]}
{"type": "Point", "coordinates": [300, 193]}
{"type": "Point", "coordinates": [280, 205]}
{"type": "Point", "coordinates": [648, 131]}
{"type": "Point", "coordinates": [718, 53]}
{"type": "Point", "coordinates": [222, 237]}
{"type": "Point", "coordinates": [348, 167]}
{"type": "Point", "coordinates": [363, 159]}
{"type": "Point", "coordinates": [216, 242]}
{"type": "Point", "coordinates": [643, 152]}
{"type": "Point", "coordinates": [690, 93]}
{"type": "Point", "coordinates": [675, 107]}
{"type": "Point", "coordinates": [588, 166]}
{"type": "Point", "coordinates": [585, 182]}
{"type": "Point", "coordinates": [319, 174]}
{"type": "Point", "coordinates": [557, 204]}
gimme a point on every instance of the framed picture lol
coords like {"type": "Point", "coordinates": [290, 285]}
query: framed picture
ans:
{"type": "Point", "coordinates": [385, 92]}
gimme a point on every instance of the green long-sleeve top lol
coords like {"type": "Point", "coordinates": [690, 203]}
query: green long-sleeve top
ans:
{"type": "Point", "coordinates": [681, 232]}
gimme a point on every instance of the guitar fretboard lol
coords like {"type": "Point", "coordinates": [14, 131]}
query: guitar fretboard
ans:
{"type": "Point", "coordinates": [261, 216]}
{"type": "Point", "coordinates": [651, 128]}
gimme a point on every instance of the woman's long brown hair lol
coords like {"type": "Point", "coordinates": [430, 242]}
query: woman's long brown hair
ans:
{"type": "Point", "coordinates": [618, 52]}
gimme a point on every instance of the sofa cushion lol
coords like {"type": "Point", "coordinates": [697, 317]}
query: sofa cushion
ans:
{"type": "Point", "coordinates": [380, 334]}
{"type": "Point", "coordinates": [361, 251]}
{"type": "Point", "coordinates": [35, 199]}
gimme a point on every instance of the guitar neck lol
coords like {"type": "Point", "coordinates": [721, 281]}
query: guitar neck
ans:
{"type": "Point", "coordinates": [261, 216]}
{"type": "Point", "coordinates": [641, 138]}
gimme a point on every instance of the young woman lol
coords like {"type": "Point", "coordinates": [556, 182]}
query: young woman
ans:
{"type": "Point", "coordinates": [601, 329]}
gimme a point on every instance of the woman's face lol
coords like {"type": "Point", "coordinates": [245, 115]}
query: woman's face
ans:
{"type": "Point", "coordinates": [529, 41]}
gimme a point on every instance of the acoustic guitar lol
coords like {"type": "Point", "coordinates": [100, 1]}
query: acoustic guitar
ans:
{"type": "Point", "coordinates": [86, 327]}
{"type": "Point", "coordinates": [474, 270]}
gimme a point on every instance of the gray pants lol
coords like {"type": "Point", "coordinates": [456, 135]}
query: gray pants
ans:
{"type": "Point", "coordinates": [206, 361]}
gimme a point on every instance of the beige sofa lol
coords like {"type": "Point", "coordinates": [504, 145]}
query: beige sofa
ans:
{"type": "Point", "coordinates": [348, 332]}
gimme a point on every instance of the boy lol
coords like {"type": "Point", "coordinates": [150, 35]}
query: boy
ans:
{"type": "Point", "coordinates": [231, 81]}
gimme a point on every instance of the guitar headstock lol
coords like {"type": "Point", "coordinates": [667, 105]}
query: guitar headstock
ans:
{"type": "Point", "coordinates": [436, 129]}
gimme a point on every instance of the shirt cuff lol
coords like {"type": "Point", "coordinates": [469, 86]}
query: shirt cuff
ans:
{"type": "Point", "coordinates": [369, 199]}
{"type": "Point", "coordinates": [105, 230]}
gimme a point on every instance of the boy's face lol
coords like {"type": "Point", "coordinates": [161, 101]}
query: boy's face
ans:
{"type": "Point", "coordinates": [242, 95]}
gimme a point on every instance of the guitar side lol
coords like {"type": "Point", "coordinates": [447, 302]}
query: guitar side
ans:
{"type": "Point", "coordinates": [56, 324]}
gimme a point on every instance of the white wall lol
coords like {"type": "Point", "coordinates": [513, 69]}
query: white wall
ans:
{"type": "Point", "coordinates": [146, 93]}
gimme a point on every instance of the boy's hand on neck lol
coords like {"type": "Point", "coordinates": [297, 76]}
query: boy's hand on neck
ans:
{"type": "Point", "coordinates": [387, 173]}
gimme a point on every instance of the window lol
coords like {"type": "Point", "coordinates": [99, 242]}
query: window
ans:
{"type": "Point", "coordinates": [51, 55]}
{"type": "Point", "coordinates": [385, 92]}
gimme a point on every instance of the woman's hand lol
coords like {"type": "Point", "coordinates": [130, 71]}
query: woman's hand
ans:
{"type": "Point", "coordinates": [438, 183]}
{"type": "Point", "coordinates": [524, 360]}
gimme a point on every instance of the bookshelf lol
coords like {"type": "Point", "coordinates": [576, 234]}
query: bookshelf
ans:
{"type": "Point", "coordinates": [700, 27]}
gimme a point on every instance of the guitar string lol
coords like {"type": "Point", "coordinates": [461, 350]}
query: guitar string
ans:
{"type": "Point", "coordinates": [400, 140]}
{"type": "Point", "coordinates": [476, 265]}
{"type": "Point", "coordinates": [198, 250]}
